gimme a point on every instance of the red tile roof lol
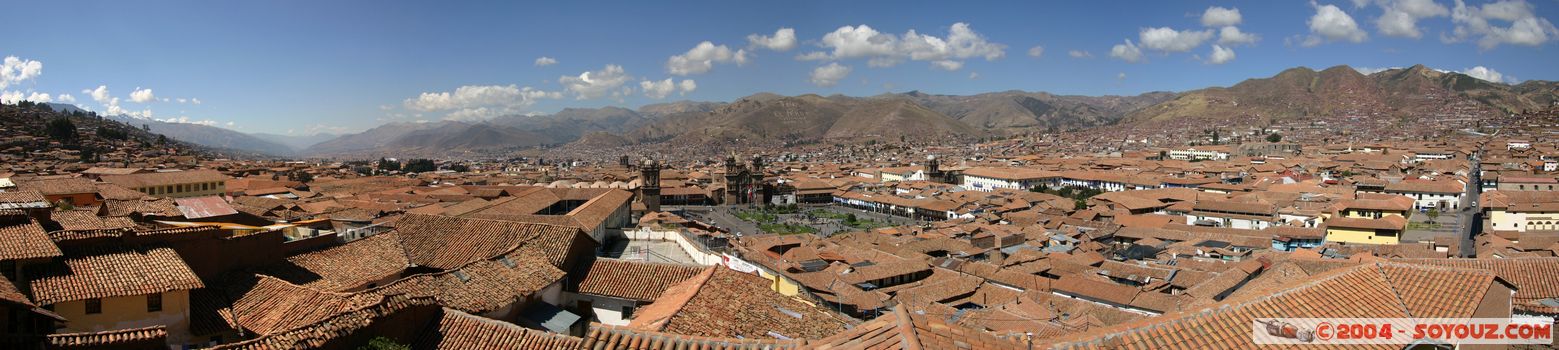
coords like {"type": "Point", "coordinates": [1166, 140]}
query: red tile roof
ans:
{"type": "Point", "coordinates": [1535, 279]}
{"type": "Point", "coordinates": [901, 329]}
{"type": "Point", "coordinates": [101, 272]}
{"type": "Point", "coordinates": [165, 178]}
{"type": "Point", "coordinates": [351, 265]}
{"type": "Point", "coordinates": [444, 242]}
{"type": "Point", "coordinates": [274, 306]}
{"type": "Point", "coordinates": [480, 287]}
{"type": "Point", "coordinates": [21, 237]}
{"type": "Point", "coordinates": [147, 338]}
{"type": "Point", "coordinates": [456, 330]}
{"type": "Point", "coordinates": [1369, 290]}
{"type": "Point", "coordinates": [721, 302]}
{"type": "Point", "coordinates": [632, 280]}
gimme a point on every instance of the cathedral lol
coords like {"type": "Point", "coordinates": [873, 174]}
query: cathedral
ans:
{"type": "Point", "coordinates": [744, 183]}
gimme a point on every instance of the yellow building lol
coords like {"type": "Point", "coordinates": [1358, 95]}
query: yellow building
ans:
{"type": "Point", "coordinates": [115, 288]}
{"type": "Point", "coordinates": [1522, 211]}
{"type": "Point", "coordinates": [174, 184]}
{"type": "Point", "coordinates": [1386, 230]}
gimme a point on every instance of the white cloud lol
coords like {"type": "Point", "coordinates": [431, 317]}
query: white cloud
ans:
{"type": "Point", "coordinates": [974, 75]}
{"type": "Point", "coordinates": [1220, 55]}
{"type": "Point", "coordinates": [1120, 76]}
{"type": "Point", "coordinates": [1371, 70]}
{"type": "Point", "coordinates": [1488, 74]}
{"type": "Point", "coordinates": [687, 85]}
{"type": "Point", "coordinates": [702, 57]}
{"type": "Point", "coordinates": [596, 84]}
{"type": "Point", "coordinates": [1232, 35]}
{"type": "Point", "coordinates": [11, 97]}
{"type": "Point", "coordinates": [1079, 54]}
{"type": "Point", "coordinates": [1170, 40]}
{"type": "Point", "coordinates": [1126, 52]}
{"type": "Point", "coordinates": [111, 105]}
{"type": "Point", "coordinates": [1400, 17]}
{"type": "Point", "coordinates": [194, 101]}
{"type": "Point", "coordinates": [783, 39]}
{"type": "Point", "coordinates": [142, 95]}
{"type": "Point", "coordinates": [1332, 24]}
{"type": "Point", "coordinates": [1524, 28]}
{"type": "Point", "coordinates": [544, 61]}
{"type": "Point", "coordinates": [67, 98]}
{"type": "Point", "coordinates": [15, 70]}
{"type": "Point", "coordinates": [479, 101]}
{"type": "Point", "coordinates": [1221, 17]}
{"type": "Point", "coordinates": [829, 75]}
{"type": "Point", "coordinates": [886, 50]}
{"type": "Point", "coordinates": [948, 65]}
{"type": "Point", "coordinates": [1037, 51]}
{"type": "Point", "coordinates": [187, 120]}
{"type": "Point", "coordinates": [661, 89]}
{"type": "Point", "coordinates": [100, 94]}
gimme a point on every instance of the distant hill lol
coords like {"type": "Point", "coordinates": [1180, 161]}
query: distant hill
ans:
{"type": "Point", "coordinates": [763, 116]}
{"type": "Point", "coordinates": [1293, 93]}
{"type": "Point", "coordinates": [296, 142]}
{"type": "Point", "coordinates": [1013, 111]}
{"type": "Point", "coordinates": [1299, 92]}
{"type": "Point", "coordinates": [368, 140]}
{"type": "Point", "coordinates": [101, 135]}
{"type": "Point", "coordinates": [211, 136]}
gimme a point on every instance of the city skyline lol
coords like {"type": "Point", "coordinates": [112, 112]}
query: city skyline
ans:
{"type": "Point", "coordinates": [286, 69]}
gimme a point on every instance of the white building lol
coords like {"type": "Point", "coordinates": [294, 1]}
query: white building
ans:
{"type": "Point", "coordinates": [989, 179]}
{"type": "Point", "coordinates": [1198, 154]}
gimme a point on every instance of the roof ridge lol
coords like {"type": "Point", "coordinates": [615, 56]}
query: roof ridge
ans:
{"type": "Point", "coordinates": [1395, 295]}
{"type": "Point", "coordinates": [906, 327]}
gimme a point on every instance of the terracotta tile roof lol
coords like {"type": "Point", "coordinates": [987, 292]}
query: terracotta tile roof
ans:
{"type": "Point", "coordinates": [21, 237]}
{"type": "Point", "coordinates": [9, 293]}
{"type": "Point", "coordinates": [165, 178]}
{"type": "Point", "coordinates": [1370, 290]}
{"type": "Point", "coordinates": [350, 265]}
{"type": "Point", "coordinates": [148, 338]}
{"type": "Point", "coordinates": [1535, 279]}
{"type": "Point", "coordinates": [480, 287]}
{"type": "Point", "coordinates": [902, 329]}
{"type": "Point", "coordinates": [274, 306]}
{"type": "Point", "coordinates": [1098, 290]}
{"type": "Point", "coordinates": [604, 337]}
{"type": "Point", "coordinates": [158, 207]}
{"type": "Point", "coordinates": [721, 302]}
{"type": "Point", "coordinates": [632, 280]}
{"type": "Point", "coordinates": [332, 330]}
{"type": "Point", "coordinates": [23, 200]}
{"type": "Point", "coordinates": [82, 220]}
{"type": "Point", "coordinates": [459, 330]}
{"type": "Point", "coordinates": [116, 192]}
{"type": "Point", "coordinates": [1439, 186]}
{"type": "Point", "coordinates": [101, 272]}
{"type": "Point", "coordinates": [443, 242]}
{"type": "Point", "coordinates": [1389, 222]}
{"type": "Point", "coordinates": [57, 186]}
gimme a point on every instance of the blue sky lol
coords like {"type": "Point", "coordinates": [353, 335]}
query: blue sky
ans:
{"type": "Point", "coordinates": [304, 66]}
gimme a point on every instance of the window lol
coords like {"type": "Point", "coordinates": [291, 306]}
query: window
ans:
{"type": "Point", "coordinates": [627, 312]}
{"type": "Point", "coordinates": [154, 302]}
{"type": "Point", "coordinates": [94, 306]}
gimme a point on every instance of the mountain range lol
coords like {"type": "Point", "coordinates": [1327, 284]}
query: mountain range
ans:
{"type": "Point", "coordinates": [1292, 93]}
